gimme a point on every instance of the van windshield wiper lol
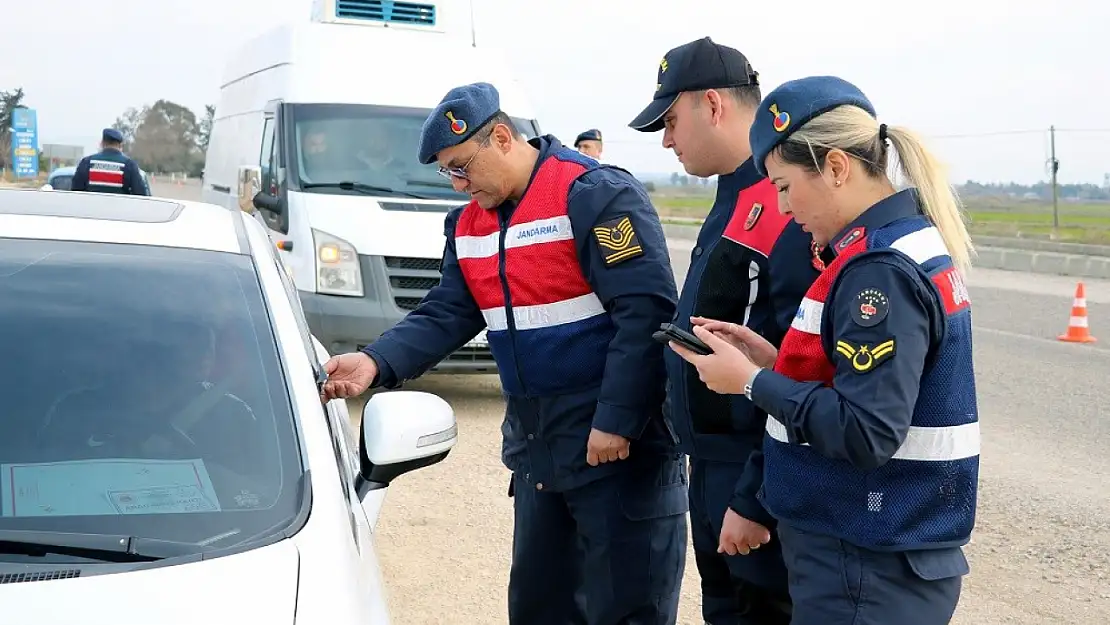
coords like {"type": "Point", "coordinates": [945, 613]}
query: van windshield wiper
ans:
{"type": "Point", "coordinates": [107, 547]}
{"type": "Point", "coordinates": [367, 189]}
{"type": "Point", "coordinates": [431, 183]}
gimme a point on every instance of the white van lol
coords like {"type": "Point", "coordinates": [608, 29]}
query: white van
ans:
{"type": "Point", "coordinates": [327, 114]}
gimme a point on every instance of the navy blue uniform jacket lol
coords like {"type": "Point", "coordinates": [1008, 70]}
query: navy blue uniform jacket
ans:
{"type": "Point", "coordinates": [751, 266]}
{"type": "Point", "coordinates": [545, 436]}
{"type": "Point", "coordinates": [130, 183]}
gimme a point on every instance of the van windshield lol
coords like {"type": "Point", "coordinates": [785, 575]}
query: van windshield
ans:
{"type": "Point", "coordinates": [367, 145]}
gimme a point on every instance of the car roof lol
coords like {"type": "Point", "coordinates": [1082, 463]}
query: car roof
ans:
{"type": "Point", "coordinates": [63, 171]}
{"type": "Point", "coordinates": [114, 218]}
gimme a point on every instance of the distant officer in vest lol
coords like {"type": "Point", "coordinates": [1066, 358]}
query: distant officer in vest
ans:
{"type": "Point", "coordinates": [589, 143]}
{"type": "Point", "coordinates": [564, 262]}
{"type": "Point", "coordinates": [751, 265]}
{"type": "Point", "coordinates": [872, 448]}
{"type": "Point", "coordinates": [109, 170]}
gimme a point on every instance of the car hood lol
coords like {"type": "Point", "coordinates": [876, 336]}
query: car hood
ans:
{"type": "Point", "coordinates": [257, 586]}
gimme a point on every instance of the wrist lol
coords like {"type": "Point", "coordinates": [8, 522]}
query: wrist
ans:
{"type": "Point", "coordinates": [750, 381]}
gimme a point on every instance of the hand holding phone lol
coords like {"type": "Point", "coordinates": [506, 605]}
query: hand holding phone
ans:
{"type": "Point", "coordinates": [669, 332]}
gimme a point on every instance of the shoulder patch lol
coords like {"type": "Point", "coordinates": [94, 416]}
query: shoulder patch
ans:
{"type": "Point", "coordinates": [617, 240]}
{"type": "Point", "coordinates": [864, 358]}
{"type": "Point", "coordinates": [870, 307]}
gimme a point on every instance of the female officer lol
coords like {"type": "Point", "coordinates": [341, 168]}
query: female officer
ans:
{"type": "Point", "coordinates": [872, 442]}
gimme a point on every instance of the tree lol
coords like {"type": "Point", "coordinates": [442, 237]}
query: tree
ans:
{"type": "Point", "coordinates": [128, 124]}
{"type": "Point", "coordinates": [204, 132]}
{"type": "Point", "coordinates": [9, 102]}
{"type": "Point", "coordinates": [166, 140]}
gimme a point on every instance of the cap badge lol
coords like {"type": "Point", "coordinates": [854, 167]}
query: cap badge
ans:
{"type": "Point", "coordinates": [458, 126]}
{"type": "Point", "coordinates": [781, 120]}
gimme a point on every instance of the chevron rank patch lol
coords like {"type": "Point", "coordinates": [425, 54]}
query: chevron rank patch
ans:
{"type": "Point", "coordinates": [617, 240]}
{"type": "Point", "coordinates": [864, 358]}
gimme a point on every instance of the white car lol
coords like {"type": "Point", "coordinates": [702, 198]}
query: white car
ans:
{"type": "Point", "coordinates": [164, 453]}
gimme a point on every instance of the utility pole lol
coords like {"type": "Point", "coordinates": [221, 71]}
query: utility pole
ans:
{"type": "Point", "coordinates": [473, 30]}
{"type": "Point", "coordinates": [1055, 165]}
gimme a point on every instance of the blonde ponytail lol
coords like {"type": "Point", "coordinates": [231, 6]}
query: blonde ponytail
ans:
{"type": "Point", "coordinates": [855, 131]}
{"type": "Point", "coordinates": [938, 198]}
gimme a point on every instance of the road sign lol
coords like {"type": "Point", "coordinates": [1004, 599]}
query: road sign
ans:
{"type": "Point", "coordinates": [25, 143]}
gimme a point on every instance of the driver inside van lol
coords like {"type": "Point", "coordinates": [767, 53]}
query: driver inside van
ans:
{"type": "Point", "coordinates": [175, 412]}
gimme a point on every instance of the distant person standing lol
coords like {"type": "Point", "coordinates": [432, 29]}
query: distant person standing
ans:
{"type": "Point", "coordinates": [589, 143]}
{"type": "Point", "coordinates": [109, 170]}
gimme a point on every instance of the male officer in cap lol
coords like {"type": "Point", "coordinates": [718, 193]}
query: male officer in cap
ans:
{"type": "Point", "coordinates": [589, 143]}
{"type": "Point", "coordinates": [564, 262]}
{"type": "Point", "coordinates": [109, 170]}
{"type": "Point", "coordinates": [752, 266]}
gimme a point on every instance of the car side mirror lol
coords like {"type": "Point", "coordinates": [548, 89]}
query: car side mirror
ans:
{"type": "Point", "coordinates": [46, 187]}
{"type": "Point", "coordinates": [402, 431]}
{"type": "Point", "coordinates": [250, 183]}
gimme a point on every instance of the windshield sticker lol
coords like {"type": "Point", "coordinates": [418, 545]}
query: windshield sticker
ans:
{"type": "Point", "coordinates": [161, 500]}
{"type": "Point", "coordinates": [109, 487]}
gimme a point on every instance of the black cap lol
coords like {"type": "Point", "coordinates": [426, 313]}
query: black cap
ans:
{"type": "Point", "coordinates": [700, 64]}
{"type": "Point", "coordinates": [111, 134]}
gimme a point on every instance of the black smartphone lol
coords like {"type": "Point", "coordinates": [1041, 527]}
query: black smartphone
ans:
{"type": "Point", "coordinates": [669, 332]}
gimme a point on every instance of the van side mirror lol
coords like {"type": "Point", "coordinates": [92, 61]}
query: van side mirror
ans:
{"type": "Point", "coordinates": [250, 183]}
{"type": "Point", "coordinates": [402, 431]}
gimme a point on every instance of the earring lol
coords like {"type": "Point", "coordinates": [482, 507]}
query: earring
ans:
{"type": "Point", "coordinates": [838, 183]}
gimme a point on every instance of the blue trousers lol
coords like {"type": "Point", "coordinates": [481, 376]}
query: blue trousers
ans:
{"type": "Point", "coordinates": [836, 583]}
{"type": "Point", "coordinates": [611, 552]}
{"type": "Point", "coordinates": [741, 589]}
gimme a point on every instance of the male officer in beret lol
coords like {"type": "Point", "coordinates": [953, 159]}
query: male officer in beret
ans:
{"type": "Point", "coordinates": [589, 143]}
{"type": "Point", "coordinates": [752, 266]}
{"type": "Point", "coordinates": [109, 170]}
{"type": "Point", "coordinates": [564, 262]}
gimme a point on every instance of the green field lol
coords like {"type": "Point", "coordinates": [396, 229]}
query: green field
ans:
{"type": "Point", "coordinates": [1079, 222]}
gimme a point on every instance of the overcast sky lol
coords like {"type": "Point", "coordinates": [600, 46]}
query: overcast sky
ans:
{"type": "Point", "coordinates": [945, 67]}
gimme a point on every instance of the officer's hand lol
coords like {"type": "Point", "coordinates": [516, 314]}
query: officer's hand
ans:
{"type": "Point", "coordinates": [348, 375]}
{"type": "Point", "coordinates": [739, 535]}
{"type": "Point", "coordinates": [726, 370]}
{"type": "Point", "coordinates": [604, 447]}
{"type": "Point", "coordinates": [757, 348]}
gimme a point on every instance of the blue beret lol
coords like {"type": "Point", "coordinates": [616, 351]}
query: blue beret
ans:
{"type": "Point", "coordinates": [111, 134]}
{"type": "Point", "coordinates": [592, 134]}
{"type": "Point", "coordinates": [459, 114]}
{"type": "Point", "coordinates": [794, 103]}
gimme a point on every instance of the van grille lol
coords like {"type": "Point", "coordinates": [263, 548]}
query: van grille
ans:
{"type": "Point", "coordinates": [410, 279]}
{"type": "Point", "coordinates": [387, 11]}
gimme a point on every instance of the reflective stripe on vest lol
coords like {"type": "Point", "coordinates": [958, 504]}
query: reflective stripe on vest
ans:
{"type": "Point", "coordinates": [925, 495]}
{"type": "Point", "coordinates": [552, 333]}
{"type": "Point", "coordinates": [106, 173]}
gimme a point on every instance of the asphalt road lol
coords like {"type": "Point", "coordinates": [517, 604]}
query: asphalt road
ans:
{"type": "Point", "coordinates": [1041, 550]}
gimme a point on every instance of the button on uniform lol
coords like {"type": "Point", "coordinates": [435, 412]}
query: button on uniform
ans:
{"type": "Point", "coordinates": [697, 251]}
{"type": "Point", "coordinates": [539, 486]}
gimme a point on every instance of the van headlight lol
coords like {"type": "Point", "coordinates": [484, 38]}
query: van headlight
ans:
{"type": "Point", "coordinates": [337, 268]}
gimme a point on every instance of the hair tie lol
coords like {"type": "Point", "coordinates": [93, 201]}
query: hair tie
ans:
{"type": "Point", "coordinates": [882, 132]}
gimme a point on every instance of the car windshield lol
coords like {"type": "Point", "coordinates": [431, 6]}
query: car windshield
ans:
{"type": "Point", "coordinates": [144, 396]}
{"type": "Point", "coordinates": [368, 145]}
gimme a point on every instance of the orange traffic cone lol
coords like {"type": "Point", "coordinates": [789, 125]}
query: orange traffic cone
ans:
{"type": "Point", "coordinates": [1078, 331]}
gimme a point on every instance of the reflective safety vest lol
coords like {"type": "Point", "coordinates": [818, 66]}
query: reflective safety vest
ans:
{"type": "Point", "coordinates": [106, 173]}
{"type": "Point", "coordinates": [547, 330]}
{"type": "Point", "coordinates": [926, 495]}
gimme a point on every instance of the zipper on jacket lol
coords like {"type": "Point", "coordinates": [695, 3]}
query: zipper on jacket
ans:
{"type": "Point", "coordinates": [503, 222]}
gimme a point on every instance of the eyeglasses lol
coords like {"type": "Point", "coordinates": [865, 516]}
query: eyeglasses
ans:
{"type": "Point", "coordinates": [460, 172]}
